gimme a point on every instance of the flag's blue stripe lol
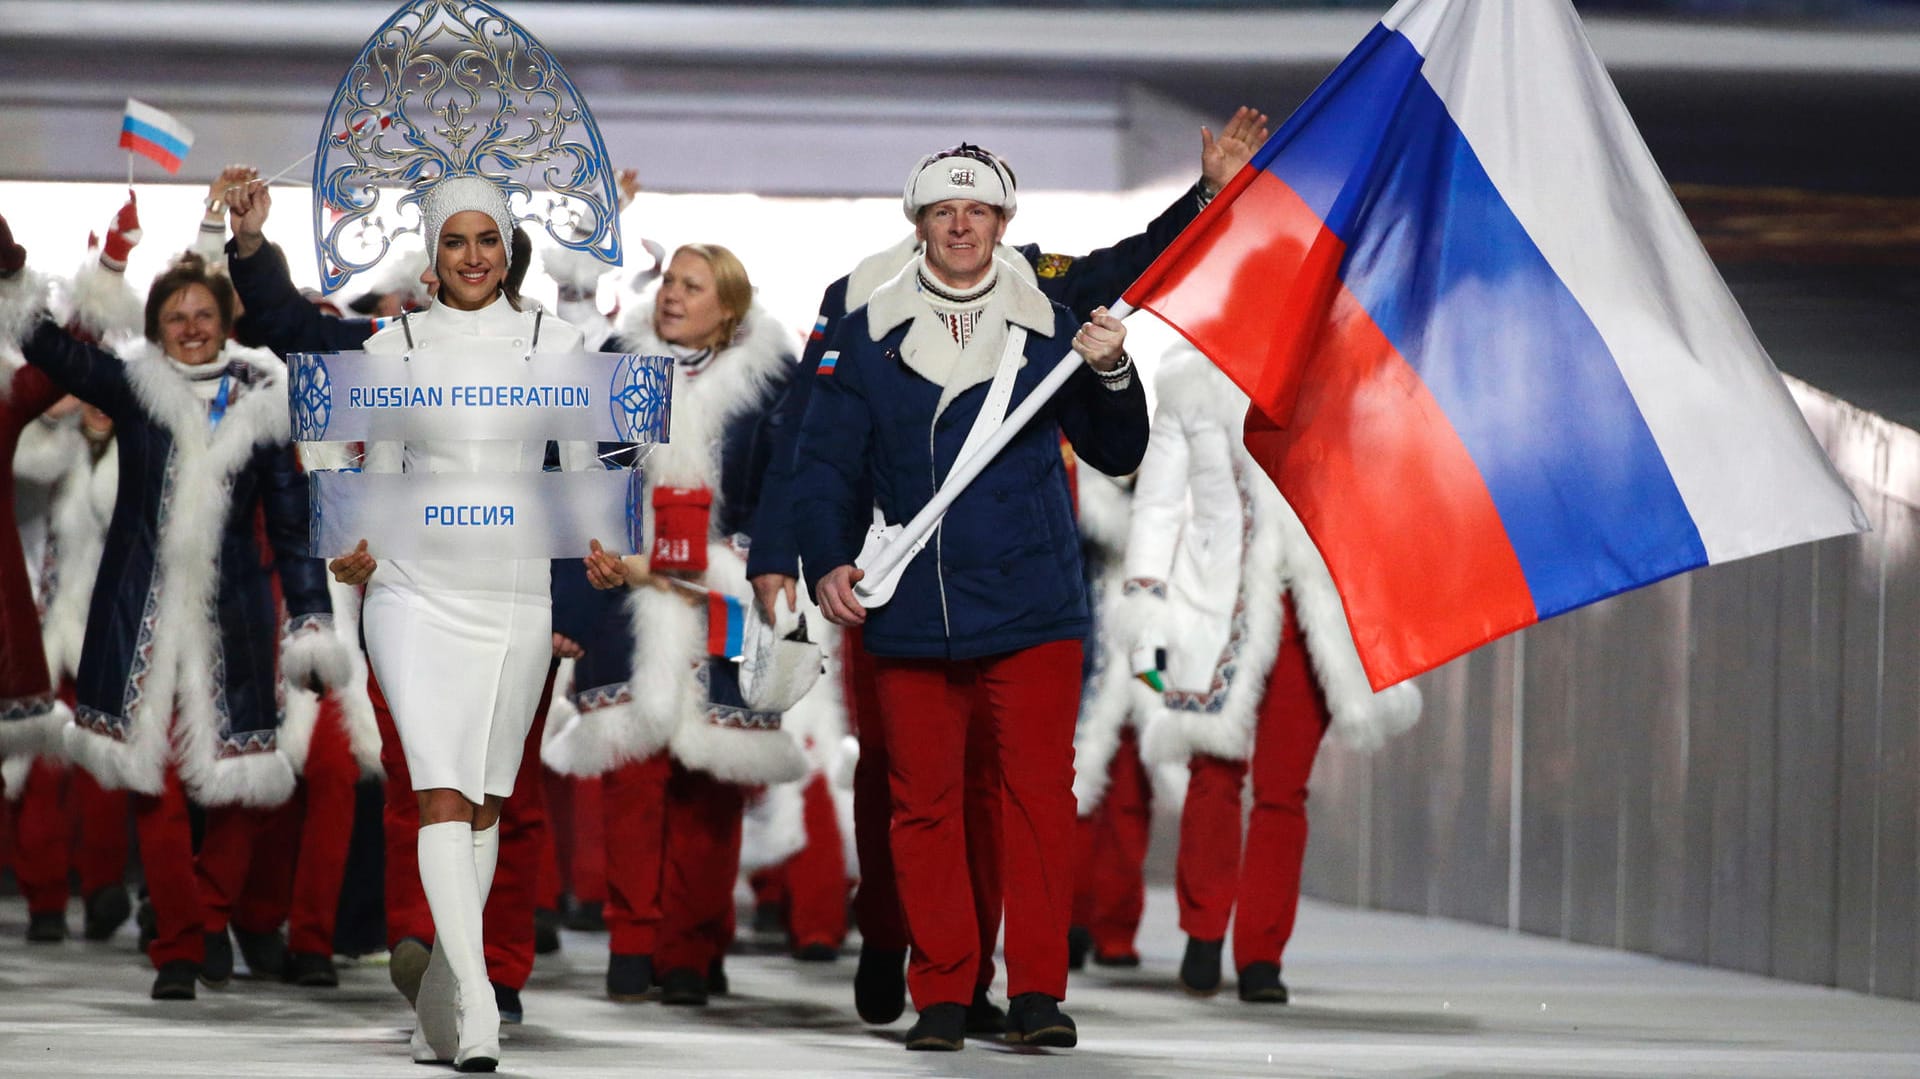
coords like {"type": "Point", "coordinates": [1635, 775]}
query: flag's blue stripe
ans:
{"type": "Point", "coordinates": [736, 625]}
{"type": "Point", "coordinates": [1451, 277]}
{"type": "Point", "coordinates": [166, 140]}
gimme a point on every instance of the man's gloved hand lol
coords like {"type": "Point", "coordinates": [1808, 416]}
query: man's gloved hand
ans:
{"type": "Point", "coordinates": [122, 236]}
{"type": "Point", "coordinates": [13, 257]}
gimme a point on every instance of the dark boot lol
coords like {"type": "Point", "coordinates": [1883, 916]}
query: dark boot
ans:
{"type": "Point", "coordinates": [507, 999]}
{"type": "Point", "coordinates": [546, 931]}
{"type": "Point", "coordinates": [816, 953]}
{"type": "Point", "coordinates": [1260, 984]}
{"type": "Point", "coordinates": [685, 987]}
{"type": "Point", "coordinates": [984, 1016]}
{"type": "Point", "coordinates": [265, 953]}
{"type": "Point", "coordinates": [311, 970]}
{"type": "Point", "coordinates": [216, 970]}
{"type": "Point", "coordinates": [717, 978]}
{"type": "Point", "coordinates": [629, 977]}
{"type": "Point", "coordinates": [1200, 969]}
{"type": "Point", "coordinates": [1079, 943]}
{"type": "Point", "coordinates": [174, 980]}
{"type": "Point", "coordinates": [586, 917]}
{"type": "Point", "coordinates": [1036, 1019]}
{"type": "Point", "coordinates": [107, 910]}
{"type": "Point", "coordinates": [880, 985]}
{"type": "Point", "coordinates": [941, 1028]}
{"type": "Point", "coordinates": [47, 927]}
{"type": "Point", "coordinates": [1124, 960]}
{"type": "Point", "coordinates": [146, 920]}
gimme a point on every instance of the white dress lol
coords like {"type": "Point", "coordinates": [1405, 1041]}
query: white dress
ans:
{"type": "Point", "coordinates": [461, 649]}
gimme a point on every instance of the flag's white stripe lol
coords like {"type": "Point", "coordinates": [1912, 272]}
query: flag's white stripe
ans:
{"type": "Point", "coordinates": [1540, 113]}
{"type": "Point", "coordinates": [151, 116]}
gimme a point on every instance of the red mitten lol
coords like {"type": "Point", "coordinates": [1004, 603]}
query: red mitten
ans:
{"type": "Point", "coordinates": [122, 236]}
{"type": "Point", "coordinates": [680, 524]}
{"type": "Point", "coordinates": [12, 255]}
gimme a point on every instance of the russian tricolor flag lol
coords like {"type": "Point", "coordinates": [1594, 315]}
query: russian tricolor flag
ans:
{"type": "Point", "coordinates": [153, 134]}
{"type": "Point", "coordinates": [726, 626]}
{"type": "Point", "coordinates": [1492, 367]}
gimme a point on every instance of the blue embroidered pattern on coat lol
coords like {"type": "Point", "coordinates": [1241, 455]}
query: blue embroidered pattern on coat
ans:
{"type": "Point", "coordinates": [1214, 698]}
{"type": "Point", "coordinates": [608, 696]}
{"type": "Point", "coordinates": [16, 708]}
{"type": "Point", "coordinates": [95, 721]}
{"type": "Point", "coordinates": [142, 664]}
{"type": "Point", "coordinates": [731, 716]}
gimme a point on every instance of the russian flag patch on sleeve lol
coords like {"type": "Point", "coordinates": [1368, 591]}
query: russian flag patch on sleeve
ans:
{"type": "Point", "coordinates": [828, 362]}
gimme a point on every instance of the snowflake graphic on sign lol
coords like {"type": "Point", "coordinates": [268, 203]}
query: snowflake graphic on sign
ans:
{"type": "Point", "coordinates": [310, 397]}
{"type": "Point", "coordinates": [641, 397]}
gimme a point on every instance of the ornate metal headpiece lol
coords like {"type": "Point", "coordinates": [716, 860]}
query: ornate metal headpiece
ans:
{"type": "Point", "coordinates": [455, 88]}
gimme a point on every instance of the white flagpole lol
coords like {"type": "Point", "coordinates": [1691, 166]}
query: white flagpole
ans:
{"type": "Point", "coordinates": [965, 472]}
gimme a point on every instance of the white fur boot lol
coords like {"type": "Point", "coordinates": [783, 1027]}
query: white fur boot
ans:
{"type": "Point", "coordinates": [447, 875]}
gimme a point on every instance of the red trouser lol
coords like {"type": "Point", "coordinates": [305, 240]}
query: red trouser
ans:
{"type": "Point", "coordinates": [1111, 885]}
{"type": "Point", "coordinates": [191, 895]}
{"type": "Point", "coordinates": [812, 884]}
{"type": "Point", "coordinates": [702, 859]}
{"type": "Point", "coordinates": [507, 925]}
{"type": "Point", "coordinates": [1212, 876]}
{"type": "Point", "coordinates": [633, 802]}
{"type": "Point", "coordinates": [876, 903]}
{"type": "Point", "coordinates": [43, 836]}
{"type": "Point", "coordinates": [300, 856]}
{"type": "Point", "coordinates": [1027, 701]}
{"type": "Point", "coordinates": [579, 838]}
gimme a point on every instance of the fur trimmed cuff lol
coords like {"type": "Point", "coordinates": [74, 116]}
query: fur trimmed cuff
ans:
{"type": "Point", "coordinates": [34, 734]}
{"type": "Point", "coordinates": [310, 649]}
{"type": "Point", "coordinates": [738, 756]}
{"type": "Point", "coordinates": [773, 828]}
{"type": "Point", "coordinates": [104, 305]}
{"type": "Point", "coordinates": [23, 303]}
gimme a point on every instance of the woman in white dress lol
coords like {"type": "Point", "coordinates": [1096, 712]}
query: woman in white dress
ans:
{"type": "Point", "coordinates": [461, 648]}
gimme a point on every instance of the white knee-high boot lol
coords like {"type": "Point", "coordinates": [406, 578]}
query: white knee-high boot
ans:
{"type": "Point", "coordinates": [436, 1034]}
{"type": "Point", "coordinates": [447, 876]}
{"type": "Point", "coordinates": [486, 855]}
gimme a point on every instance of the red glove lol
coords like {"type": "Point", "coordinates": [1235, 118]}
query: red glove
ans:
{"type": "Point", "coordinates": [12, 255]}
{"type": "Point", "coordinates": [122, 236]}
{"type": "Point", "coordinates": [680, 522]}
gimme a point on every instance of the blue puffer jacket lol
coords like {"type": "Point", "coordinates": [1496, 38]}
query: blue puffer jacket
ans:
{"type": "Point", "coordinates": [1003, 572]}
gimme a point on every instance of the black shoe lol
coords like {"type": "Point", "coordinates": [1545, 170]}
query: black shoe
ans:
{"type": "Point", "coordinates": [683, 986]}
{"type": "Point", "coordinates": [880, 985]}
{"type": "Point", "coordinates": [941, 1028]}
{"type": "Point", "coordinates": [1079, 943]}
{"type": "Point", "coordinates": [1125, 960]}
{"type": "Point", "coordinates": [507, 999]}
{"type": "Point", "coordinates": [586, 917]}
{"type": "Point", "coordinates": [148, 924]}
{"type": "Point", "coordinates": [107, 910]}
{"type": "Point", "coordinates": [47, 927]}
{"type": "Point", "coordinates": [717, 979]}
{"type": "Point", "coordinates": [1200, 969]}
{"type": "Point", "coordinates": [216, 970]}
{"type": "Point", "coordinates": [817, 953]}
{"type": "Point", "coordinates": [175, 979]}
{"type": "Point", "coordinates": [770, 920]}
{"type": "Point", "coordinates": [629, 977]}
{"type": "Point", "coordinates": [984, 1016]}
{"type": "Point", "coordinates": [1260, 984]}
{"type": "Point", "coordinates": [265, 953]}
{"type": "Point", "coordinates": [310, 970]}
{"type": "Point", "coordinates": [407, 965]}
{"type": "Point", "coordinates": [546, 931]}
{"type": "Point", "coordinates": [1036, 1019]}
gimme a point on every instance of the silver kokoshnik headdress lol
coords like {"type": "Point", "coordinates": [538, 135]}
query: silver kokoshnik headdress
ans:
{"type": "Point", "coordinates": [454, 89]}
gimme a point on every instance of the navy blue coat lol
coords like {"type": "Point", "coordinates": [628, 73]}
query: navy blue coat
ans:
{"type": "Point", "coordinates": [1080, 284]}
{"type": "Point", "coordinates": [267, 487]}
{"type": "Point", "coordinates": [1004, 572]}
{"type": "Point", "coordinates": [277, 317]}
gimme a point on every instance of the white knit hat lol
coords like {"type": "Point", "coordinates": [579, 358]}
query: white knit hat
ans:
{"type": "Point", "coordinates": [964, 172]}
{"type": "Point", "coordinates": [457, 194]}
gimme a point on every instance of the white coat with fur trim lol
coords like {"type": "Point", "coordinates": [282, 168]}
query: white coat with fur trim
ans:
{"type": "Point", "coordinates": [1211, 546]}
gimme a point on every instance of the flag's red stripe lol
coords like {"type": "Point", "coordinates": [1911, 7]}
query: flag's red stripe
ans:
{"type": "Point", "coordinates": [1367, 458]}
{"type": "Point", "coordinates": [148, 149]}
{"type": "Point", "coordinates": [716, 624]}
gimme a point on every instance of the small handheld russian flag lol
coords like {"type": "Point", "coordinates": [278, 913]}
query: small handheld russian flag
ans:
{"type": "Point", "coordinates": [154, 135]}
{"type": "Point", "coordinates": [726, 625]}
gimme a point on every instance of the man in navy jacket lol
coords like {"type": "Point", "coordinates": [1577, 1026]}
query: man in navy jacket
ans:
{"type": "Point", "coordinates": [995, 608]}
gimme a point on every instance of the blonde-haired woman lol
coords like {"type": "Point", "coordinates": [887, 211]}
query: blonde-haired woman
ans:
{"type": "Point", "coordinates": [660, 718]}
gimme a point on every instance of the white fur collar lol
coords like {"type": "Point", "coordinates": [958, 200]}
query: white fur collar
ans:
{"type": "Point", "coordinates": [739, 379]}
{"type": "Point", "coordinates": [258, 414]}
{"type": "Point", "coordinates": [880, 267]}
{"type": "Point", "coordinates": [1017, 298]}
{"type": "Point", "coordinates": [929, 349]}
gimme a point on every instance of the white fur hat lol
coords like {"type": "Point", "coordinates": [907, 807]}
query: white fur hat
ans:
{"type": "Point", "coordinates": [457, 194]}
{"type": "Point", "coordinates": [964, 172]}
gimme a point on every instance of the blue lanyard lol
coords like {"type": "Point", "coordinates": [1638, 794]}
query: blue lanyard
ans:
{"type": "Point", "coordinates": [218, 410]}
